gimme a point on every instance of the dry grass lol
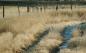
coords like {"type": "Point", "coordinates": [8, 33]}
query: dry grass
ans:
{"type": "Point", "coordinates": [22, 31]}
{"type": "Point", "coordinates": [76, 45]}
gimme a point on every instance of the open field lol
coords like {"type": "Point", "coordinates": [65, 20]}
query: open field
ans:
{"type": "Point", "coordinates": [39, 31]}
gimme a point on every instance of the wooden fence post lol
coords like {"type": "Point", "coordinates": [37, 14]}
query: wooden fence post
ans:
{"type": "Point", "coordinates": [3, 11]}
{"type": "Point", "coordinates": [71, 6]}
{"type": "Point", "coordinates": [18, 10]}
{"type": "Point", "coordinates": [41, 8]}
{"type": "Point", "coordinates": [27, 8]}
{"type": "Point", "coordinates": [57, 6]}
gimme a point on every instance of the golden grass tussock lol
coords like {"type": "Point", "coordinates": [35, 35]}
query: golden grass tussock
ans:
{"type": "Point", "coordinates": [6, 40]}
{"type": "Point", "coordinates": [22, 32]}
{"type": "Point", "coordinates": [27, 38]}
{"type": "Point", "coordinates": [47, 43]}
{"type": "Point", "coordinates": [79, 42]}
{"type": "Point", "coordinates": [76, 45]}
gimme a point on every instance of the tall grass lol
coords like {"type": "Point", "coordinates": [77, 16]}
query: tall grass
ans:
{"type": "Point", "coordinates": [20, 33]}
